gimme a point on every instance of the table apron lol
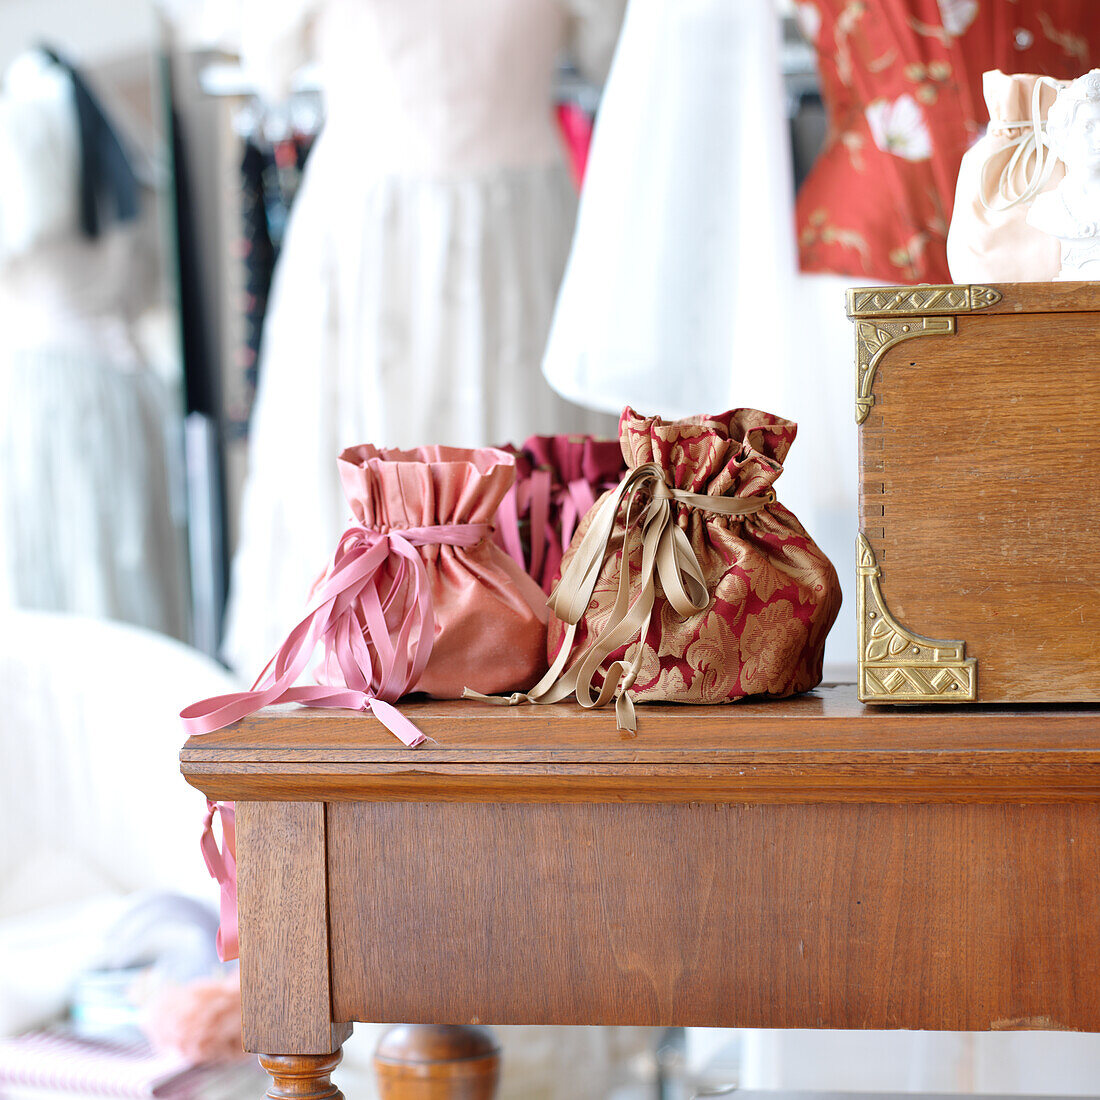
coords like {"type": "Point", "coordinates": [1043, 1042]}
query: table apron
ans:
{"type": "Point", "coordinates": [855, 915]}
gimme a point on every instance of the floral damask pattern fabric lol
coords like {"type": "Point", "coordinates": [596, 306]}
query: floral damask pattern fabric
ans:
{"type": "Point", "coordinates": [903, 83]}
{"type": "Point", "coordinates": [774, 594]}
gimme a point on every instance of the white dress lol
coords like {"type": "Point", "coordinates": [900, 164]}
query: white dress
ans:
{"type": "Point", "coordinates": [682, 294]}
{"type": "Point", "coordinates": [414, 292]}
{"type": "Point", "coordinates": [683, 245]}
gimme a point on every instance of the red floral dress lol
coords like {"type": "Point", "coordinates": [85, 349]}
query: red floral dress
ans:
{"type": "Point", "coordinates": [903, 82]}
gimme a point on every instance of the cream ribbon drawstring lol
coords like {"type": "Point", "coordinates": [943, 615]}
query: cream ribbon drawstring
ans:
{"type": "Point", "coordinates": [666, 556]}
{"type": "Point", "coordinates": [1031, 142]}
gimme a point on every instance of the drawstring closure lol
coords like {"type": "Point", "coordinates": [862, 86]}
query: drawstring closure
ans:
{"type": "Point", "coordinates": [666, 556]}
{"type": "Point", "coordinates": [365, 665]}
{"type": "Point", "coordinates": [1030, 144]}
{"type": "Point", "coordinates": [538, 497]}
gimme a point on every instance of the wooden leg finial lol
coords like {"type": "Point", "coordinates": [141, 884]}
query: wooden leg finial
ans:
{"type": "Point", "coordinates": [301, 1076]}
{"type": "Point", "coordinates": [435, 1062]}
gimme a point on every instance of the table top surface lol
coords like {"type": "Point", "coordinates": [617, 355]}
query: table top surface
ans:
{"type": "Point", "coordinates": [823, 742]}
{"type": "Point", "coordinates": [826, 724]}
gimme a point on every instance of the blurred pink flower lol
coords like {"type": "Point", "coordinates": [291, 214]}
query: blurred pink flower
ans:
{"type": "Point", "coordinates": [200, 1021]}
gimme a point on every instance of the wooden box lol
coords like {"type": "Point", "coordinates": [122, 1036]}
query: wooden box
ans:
{"type": "Point", "coordinates": [979, 553]}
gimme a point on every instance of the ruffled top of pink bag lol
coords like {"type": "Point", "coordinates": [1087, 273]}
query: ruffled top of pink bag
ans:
{"type": "Point", "coordinates": [737, 453]}
{"type": "Point", "coordinates": [390, 489]}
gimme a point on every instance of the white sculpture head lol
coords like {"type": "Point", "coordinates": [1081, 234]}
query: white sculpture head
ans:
{"type": "Point", "coordinates": [1071, 212]}
{"type": "Point", "coordinates": [1073, 125]}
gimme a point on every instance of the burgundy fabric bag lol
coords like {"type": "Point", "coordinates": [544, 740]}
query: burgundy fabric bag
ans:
{"type": "Point", "coordinates": [558, 480]}
{"type": "Point", "coordinates": [690, 582]}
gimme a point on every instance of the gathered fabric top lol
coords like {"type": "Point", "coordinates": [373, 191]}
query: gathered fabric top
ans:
{"type": "Point", "coordinates": [1011, 97]}
{"type": "Point", "coordinates": [575, 457]}
{"type": "Point", "coordinates": [390, 489]}
{"type": "Point", "coordinates": [737, 453]}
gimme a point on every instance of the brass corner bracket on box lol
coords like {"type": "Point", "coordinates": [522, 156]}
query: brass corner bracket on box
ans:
{"type": "Point", "coordinates": [885, 316]}
{"type": "Point", "coordinates": [896, 665]}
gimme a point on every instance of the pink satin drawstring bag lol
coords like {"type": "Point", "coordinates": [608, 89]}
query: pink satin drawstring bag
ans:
{"type": "Point", "coordinates": [558, 480]}
{"type": "Point", "coordinates": [418, 597]}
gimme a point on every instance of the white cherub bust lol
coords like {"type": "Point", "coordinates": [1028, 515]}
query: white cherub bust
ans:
{"type": "Point", "coordinates": [1071, 212]}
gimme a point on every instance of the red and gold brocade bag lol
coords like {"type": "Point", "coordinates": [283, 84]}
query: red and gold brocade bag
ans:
{"type": "Point", "coordinates": [690, 583]}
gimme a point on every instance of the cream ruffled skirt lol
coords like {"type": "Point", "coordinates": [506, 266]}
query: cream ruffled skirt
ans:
{"type": "Point", "coordinates": [404, 312]}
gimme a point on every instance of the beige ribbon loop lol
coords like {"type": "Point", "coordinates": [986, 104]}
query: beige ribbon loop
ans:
{"type": "Point", "coordinates": [667, 556]}
{"type": "Point", "coordinates": [1032, 157]}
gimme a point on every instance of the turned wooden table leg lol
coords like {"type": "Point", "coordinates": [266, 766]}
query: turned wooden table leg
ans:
{"type": "Point", "coordinates": [301, 1076]}
{"type": "Point", "coordinates": [437, 1062]}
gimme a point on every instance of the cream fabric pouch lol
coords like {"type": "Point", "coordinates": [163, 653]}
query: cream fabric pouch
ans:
{"type": "Point", "coordinates": [990, 240]}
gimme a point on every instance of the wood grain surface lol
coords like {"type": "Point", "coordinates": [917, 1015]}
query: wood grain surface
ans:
{"type": "Point", "coordinates": [804, 863]}
{"type": "Point", "coordinates": [980, 467]}
{"type": "Point", "coordinates": [282, 902]}
{"type": "Point", "coordinates": [301, 1076]}
{"type": "Point", "coordinates": [437, 1062]}
{"type": "Point", "coordinates": [823, 746]}
{"type": "Point", "coordinates": [840, 916]}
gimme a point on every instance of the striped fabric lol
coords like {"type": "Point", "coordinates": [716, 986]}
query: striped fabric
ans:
{"type": "Point", "coordinates": [59, 1061]}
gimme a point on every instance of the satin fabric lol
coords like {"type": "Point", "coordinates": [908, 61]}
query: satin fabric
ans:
{"type": "Point", "coordinates": [668, 564]}
{"type": "Point", "coordinates": [558, 478]}
{"type": "Point", "coordinates": [986, 243]}
{"type": "Point", "coordinates": [222, 865]}
{"type": "Point", "coordinates": [683, 230]}
{"type": "Point", "coordinates": [490, 617]}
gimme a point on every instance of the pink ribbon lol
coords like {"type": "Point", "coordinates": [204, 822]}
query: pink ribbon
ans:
{"type": "Point", "coordinates": [538, 498]}
{"type": "Point", "coordinates": [530, 497]}
{"type": "Point", "coordinates": [373, 575]}
{"type": "Point", "coordinates": [508, 526]}
{"type": "Point", "coordinates": [542, 534]}
{"type": "Point", "coordinates": [573, 502]}
{"type": "Point", "coordinates": [222, 865]}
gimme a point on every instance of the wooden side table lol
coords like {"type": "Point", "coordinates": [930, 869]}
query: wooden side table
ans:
{"type": "Point", "coordinates": [810, 863]}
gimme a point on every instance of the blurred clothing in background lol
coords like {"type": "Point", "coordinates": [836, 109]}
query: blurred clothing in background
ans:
{"type": "Point", "coordinates": [90, 516]}
{"type": "Point", "coordinates": [414, 291]}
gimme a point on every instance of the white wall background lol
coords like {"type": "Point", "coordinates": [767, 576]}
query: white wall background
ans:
{"type": "Point", "coordinates": [91, 31]}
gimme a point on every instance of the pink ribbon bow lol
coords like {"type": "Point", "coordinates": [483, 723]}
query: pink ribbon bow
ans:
{"type": "Point", "coordinates": [365, 666]}
{"type": "Point", "coordinates": [574, 501]}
